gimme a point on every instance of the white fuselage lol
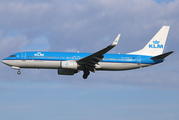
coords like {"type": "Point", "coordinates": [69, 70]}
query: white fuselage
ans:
{"type": "Point", "coordinates": [41, 64]}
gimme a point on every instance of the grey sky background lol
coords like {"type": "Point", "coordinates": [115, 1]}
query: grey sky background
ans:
{"type": "Point", "coordinates": [88, 26]}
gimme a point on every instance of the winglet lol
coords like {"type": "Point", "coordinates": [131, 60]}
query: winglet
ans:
{"type": "Point", "coordinates": [116, 40]}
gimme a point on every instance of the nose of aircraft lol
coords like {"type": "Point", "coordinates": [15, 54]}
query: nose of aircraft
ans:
{"type": "Point", "coordinates": [4, 61]}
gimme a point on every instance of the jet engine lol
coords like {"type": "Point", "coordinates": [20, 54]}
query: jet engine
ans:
{"type": "Point", "coordinates": [69, 67]}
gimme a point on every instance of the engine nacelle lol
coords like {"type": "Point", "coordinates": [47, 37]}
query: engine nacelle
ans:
{"type": "Point", "coordinates": [69, 65]}
{"type": "Point", "coordinates": [66, 71]}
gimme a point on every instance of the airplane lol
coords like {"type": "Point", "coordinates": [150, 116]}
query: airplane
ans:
{"type": "Point", "coordinates": [70, 63]}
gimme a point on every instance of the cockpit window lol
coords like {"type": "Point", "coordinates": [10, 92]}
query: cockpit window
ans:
{"type": "Point", "coordinates": [12, 56]}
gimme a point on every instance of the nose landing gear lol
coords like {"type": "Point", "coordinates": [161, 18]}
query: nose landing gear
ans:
{"type": "Point", "coordinates": [18, 72]}
{"type": "Point", "coordinates": [17, 68]}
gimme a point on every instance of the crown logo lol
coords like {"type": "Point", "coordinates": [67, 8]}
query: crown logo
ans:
{"type": "Point", "coordinates": [156, 42]}
{"type": "Point", "coordinates": [67, 64]}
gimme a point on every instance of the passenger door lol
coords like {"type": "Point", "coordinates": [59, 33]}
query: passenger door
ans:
{"type": "Point", "coordinates": [138, 60]}
{"type": "Point", "coordinates": [23, 56]}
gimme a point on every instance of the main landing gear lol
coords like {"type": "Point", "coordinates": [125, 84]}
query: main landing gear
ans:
{"type": "Point", "coordinates": [18, 72]}
{"type": "Point", "coordinates": [86, 72]}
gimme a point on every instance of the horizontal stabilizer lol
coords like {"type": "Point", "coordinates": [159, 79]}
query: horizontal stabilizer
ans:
{"type": "Point", "coordinates": [162, 56]}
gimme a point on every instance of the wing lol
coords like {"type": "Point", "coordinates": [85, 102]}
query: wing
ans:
{"type": "Point", "coordinates": [94, 58]}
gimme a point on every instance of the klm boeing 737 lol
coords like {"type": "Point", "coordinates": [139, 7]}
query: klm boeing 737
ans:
{"type": "Point", "coordinates": [70, 63]}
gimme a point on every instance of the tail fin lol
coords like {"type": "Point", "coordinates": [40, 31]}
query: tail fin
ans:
{"type": "Point", "coordinates": [156, 45]}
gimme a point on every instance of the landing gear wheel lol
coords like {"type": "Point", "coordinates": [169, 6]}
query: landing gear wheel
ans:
{"type": "Point", "coordinates": [19, 72]}
{"type": "Point", "coordinates": [85, 76]}
{"type": "Point", "coordinates": [86, 73]}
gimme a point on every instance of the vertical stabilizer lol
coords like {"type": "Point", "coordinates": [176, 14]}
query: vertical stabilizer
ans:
{"type": "Point", "coordinates": [156, 45]}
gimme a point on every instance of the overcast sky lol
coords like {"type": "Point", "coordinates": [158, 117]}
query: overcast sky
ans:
{"type": "Point", "coordinates": [88, 26]}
